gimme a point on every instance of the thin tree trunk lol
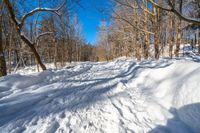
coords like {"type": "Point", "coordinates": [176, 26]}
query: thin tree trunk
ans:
{"type": "Point", "coordinates": [146, 35]}
{"type": "Point", "coordinates": [9, 59]}
{"type": "Point", "coordinates": [156, 36]}
{"type": "Point", "coordinates": [199, 41]}
{"type": "Point", "coordinates": [138, 55]}
{"type": "Point", "coordinates": [172, 23]}
{"type": "Point", "coordinates": [63, 52]}
{"type": "Point", "coordinates": [16, 57]}
{"type": "Point", "coordinates": [55, 52]}
{"type": "Point", "coordinates": [9, 43]}
{"type": "Point", "coordinates": [37, 65]}
{"type": "Point", "coordinates": [178, 43]}
{"type": "Point", "coordinates": [195, 42]}
{"type": "Point", "coordinates": [199, 31]}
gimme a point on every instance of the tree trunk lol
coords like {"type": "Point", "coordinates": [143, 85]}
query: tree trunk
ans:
{"type": "Point", "coordinates": [146, 44]}
{"type": "Point", "coordinates": [172, 23]}
{"type": "Point", "coordinates": [156, 36]}
{"type": "Point", "coordinates": [3, 69]}
{"type": "Point", "coordinates": [32, 47]}
{"type": "Point", "coordinates": [195, 42]}
{"type": "Point", "coordinates": [199, 31]}
{"type": "Point", "coordinates": [55, 52]}
{"type": "Point", "coordinates": [178, 43]}
{"type": "Point", "coordinates": [9, 59]}
{"type": "Point", "coordinates": [9, 44]}
{"type": "Point", "coordinates": [63, 52]}
{"type": "Point", "coordinates": [138, 46]}
{"type": "Point", "coordinates": [16, 57]}
{"type": "Point", "coordinates": [199, 41]}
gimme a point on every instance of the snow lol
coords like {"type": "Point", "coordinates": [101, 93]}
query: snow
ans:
{"type": "Point", "coordinates": [122, 95]}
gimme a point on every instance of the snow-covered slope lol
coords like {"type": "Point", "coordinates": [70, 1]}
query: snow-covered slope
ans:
{"type": "Point", "coordinates": [118, 96]}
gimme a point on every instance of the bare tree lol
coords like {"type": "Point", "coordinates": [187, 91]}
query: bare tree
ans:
{"type": "Point", "coordinates": [19, 25]}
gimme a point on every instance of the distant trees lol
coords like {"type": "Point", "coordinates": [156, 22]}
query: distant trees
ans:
{"type": "Point", "coordinates": [103, 47]}
{"type": "Point", "coordinates": [150, 28]}
{"type": "Point", "coordinates": [33, 35]}
{"type": "Point", "coordinates": [138, 24]}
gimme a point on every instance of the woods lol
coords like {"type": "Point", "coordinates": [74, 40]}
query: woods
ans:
{"type": "Point", "coordinates": [40, 35]}
{"type": "Point", "coordinates": [151, 29]}
{"type": "Point", "coordinates": [53, 34]}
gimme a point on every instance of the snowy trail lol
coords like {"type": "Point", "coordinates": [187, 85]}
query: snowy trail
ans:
{"type": "Point", "coordinates": [119, 96]}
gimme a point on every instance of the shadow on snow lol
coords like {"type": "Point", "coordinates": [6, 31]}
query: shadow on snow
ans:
{"type": "Point", "coordinates": [186, 120]}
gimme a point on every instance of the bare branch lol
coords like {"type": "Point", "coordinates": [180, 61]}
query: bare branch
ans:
{"type": "Point", "coordinates": [191, 20]}
{"type": "Point", "coordinates": [157, 5]}
{"type": "Point", "coordinates": [35, 25]}
{"type": "Point", "coordinates": [131, 24]}
{"type": "Point", "coordinates": [12, 14]}
{"type": "Point", "coordinates": [172, 9]}
{"type": "Point", "coordinates": [56, 11]}
{"type": "Point", "coordinates": [125, 4]}
{"type": "Point", "coordinates": [42, 34]}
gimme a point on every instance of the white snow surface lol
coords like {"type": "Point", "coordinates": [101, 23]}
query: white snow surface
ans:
{"type": "Point", "coordinates": [120, 96]}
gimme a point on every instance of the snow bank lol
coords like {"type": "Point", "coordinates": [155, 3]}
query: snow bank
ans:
{"type": "Point", "coordinates": [175, 88]}
{"type": "Point", "coordinates": [118, 96]}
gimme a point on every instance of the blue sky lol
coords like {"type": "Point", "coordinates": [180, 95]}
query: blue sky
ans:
{"type": "Point", "coordinates": [90, 17]}
{"type": "Point", "coordinates": [88, 13]}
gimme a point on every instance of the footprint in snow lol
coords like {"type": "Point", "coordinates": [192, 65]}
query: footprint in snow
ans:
{"type": "Point", "coordinates": [52, 128]}
{"type": "Point", "coordinates": [62, 115]}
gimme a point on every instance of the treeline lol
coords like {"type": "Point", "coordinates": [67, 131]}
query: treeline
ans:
{"type": "Point", "coordinates": [149, 29]}
{"type": "Point", "coordinates": [34, 35]}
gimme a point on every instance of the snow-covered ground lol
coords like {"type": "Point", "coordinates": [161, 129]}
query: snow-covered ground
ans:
{"type": "Point", "coordinates": [120, 96]}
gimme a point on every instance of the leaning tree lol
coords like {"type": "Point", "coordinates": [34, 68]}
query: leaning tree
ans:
{"type": "Point", "coordinates": [19, 24]}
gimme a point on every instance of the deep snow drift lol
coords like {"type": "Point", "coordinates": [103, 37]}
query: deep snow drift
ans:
{"type": "Point", "coordinates": [118, 96]}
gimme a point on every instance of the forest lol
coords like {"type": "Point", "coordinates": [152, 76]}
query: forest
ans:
{"type": "Point", "coordinates": [99, 66]}
{"type": "Point", "coordinates": [141, 29]}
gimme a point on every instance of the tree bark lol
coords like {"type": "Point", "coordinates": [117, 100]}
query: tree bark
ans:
{"type": "Point", "coordinates": [3, 69]}
{"type": "Point", "coordinates": [9, 57]}
{"type": "Point", "coordinates": [55, 52]}
{"type": "Point", "coordinates": [178, 43]}
{"type": "Point", "coordinates": [146, 37]}
{"type": "Point", "coordinates": [172, 23]}
{"type": "Point", "coordinates": [199, 41]}
{"type": "Point", "coordinates": [156, 36]}
{"type": "Point", "coordinates": [33, 49]}
{"type": "Point", "coordinates": [138, 46]}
